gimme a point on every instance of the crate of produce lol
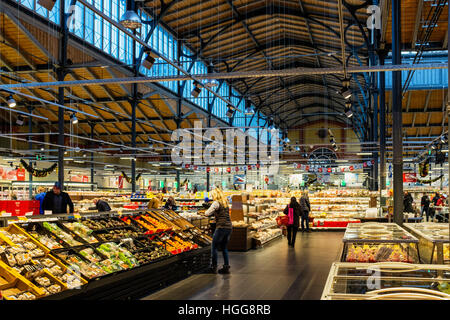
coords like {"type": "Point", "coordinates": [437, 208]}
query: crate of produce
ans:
{"type": "Point", "coordinates": [43, 236]}
{"type": "Point", "coordinates": [80, 230]}
{"type": "Point", "coordinates": [79, 264]}
{"type": "Point", "coordinates": [63, 235]}
{"type": "Point", "coordinates": [13, 286]}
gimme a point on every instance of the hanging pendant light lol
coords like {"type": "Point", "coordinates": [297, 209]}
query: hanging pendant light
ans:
{"type": "Point", "coordinates": [130, 19]}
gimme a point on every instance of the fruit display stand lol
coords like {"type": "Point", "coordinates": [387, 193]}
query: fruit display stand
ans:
{"type": "Point", "coordinates": [387, 281]}
{"type": "Point", "coordinates": [434, 241]}
{"type": "Point", "coordinates": [379, 242]}
{"type": "Point", "coordinates": [127, 264]}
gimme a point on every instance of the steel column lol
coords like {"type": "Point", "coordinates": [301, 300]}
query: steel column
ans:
{"type": "Point", "coordinates": [382, 101]}
{"type": "Point", "coordinates": [180, 89]}
{"type": "Point", "coordinates": [92, 125]}
{"type": "Point", "coordinates": [397, 130]}
{"type": "Point", "coordinates": [61, 72]}
{"type": "Point", "coordinates": [448, 102]}
{"type": "Point", "coordinates": [30, 147]}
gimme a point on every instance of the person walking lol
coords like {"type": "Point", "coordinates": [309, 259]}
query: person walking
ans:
{"type": "Point", "coordinates": [220, 209]}
{"type": "Point", "coordinates": [425, 203]}
{"type": "Point", "coordinates": [305, 207]}
{"type": "Point", "coordinates": [41, 191]}
{"type": "Point", "coordinates": [293, 211]}
{"type": "Point", "coordinates": [57, 201]}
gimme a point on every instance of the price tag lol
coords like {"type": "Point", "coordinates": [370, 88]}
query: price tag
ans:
{"type": "Point", "coordinates": [119, 212]}
{"type": "Point", "coordinates": [77, 216]}
{"type": "Point", "coordinates": [48, 212]}
{"type": "Point", "coordinates": [29, 213]}
{"type": "Point", "coordinates": [22, 218]}
{"type": "Point", "coordinates": [6, 214]}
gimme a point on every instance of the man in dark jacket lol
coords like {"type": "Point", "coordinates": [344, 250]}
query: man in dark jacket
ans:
{"type": "Point", "coordinates": [57, 201]}
{"type": "Point", "coordinates": [425, 203]}
{"type": "Point", "coordinates": [305, 208]}
{"type": "Point", "coordinates": [101, 205]}
{"type": "Point", "coordinates": [407, 202]}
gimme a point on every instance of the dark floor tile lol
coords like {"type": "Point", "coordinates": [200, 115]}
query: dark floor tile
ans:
{"type": "Point", "coordinates": [273, 272]}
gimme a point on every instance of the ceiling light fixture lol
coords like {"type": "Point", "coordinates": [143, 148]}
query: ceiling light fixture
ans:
{"type": "Point", "coordinates": [20, 120]}
{"type": "Point", "coordinates": [149, 60]}
{"type": "Point", "coordinates": [230, 111]}
{"type": "Point", "coordinates": [130, 19]}
{"type": "Point", "coordinates": [197, 90]}
{"type": "Point", "coordinates": [11, 102]}
{"type": "Point", "coordinates": [345, 91]}
{"type": "Point", "coordinates": [74, 118]}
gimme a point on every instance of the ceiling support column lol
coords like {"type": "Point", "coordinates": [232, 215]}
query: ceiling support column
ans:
{"type": "Point", "coordinates": [397, 124]}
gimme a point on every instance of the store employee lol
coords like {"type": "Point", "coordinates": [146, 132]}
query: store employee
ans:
{"type": "Point", "coordinates": [57, 201]}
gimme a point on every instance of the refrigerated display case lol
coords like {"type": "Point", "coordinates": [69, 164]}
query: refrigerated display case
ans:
{"type": "Point", "coordinates": [387, 281]}
{"type": "Point", "coordinates": [434, 241]}
{"type": "Point", "coordinates": [379, 242]}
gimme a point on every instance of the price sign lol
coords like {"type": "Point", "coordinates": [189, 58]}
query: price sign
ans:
{"type": "Point", "coordinates": [23, 218]}
{"type": "Point", "coordinates": [119, 212]}
{"type": "Point", "coordinates": [77, 216]}
{"type": "Point", "coordinates": [29, 213]}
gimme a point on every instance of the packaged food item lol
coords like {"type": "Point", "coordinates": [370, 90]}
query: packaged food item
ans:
{"type": "Point", "coordinates": [81, 230]}
{"type": "Point", "coordinates": [47, 241]}
{"type": "Point", "coordinates": [29, 245]}
{"type": "Point", "coordinates": [89, 254]}
{"type": "Point", "coordinates": [52, 227]}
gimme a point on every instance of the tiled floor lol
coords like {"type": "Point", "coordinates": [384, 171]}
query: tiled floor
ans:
{"type": "Point", "coordinates": [271, 273]}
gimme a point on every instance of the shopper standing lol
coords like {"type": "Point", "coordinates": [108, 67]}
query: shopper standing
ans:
{"type": "Point", "coordinates": [293, 211]}
{"type": "Point", "coordinates": [170, 204]}
{"type": "Point", "coordinates": [40, 197]}
{"type": "Point", "coordinates": [425, 203]}
{"type": "Point", "coordinates": [305, 207]}
{"type": "Point", "coordinates": [407, 202]}
{"type": "Point", "coordinates": [57, 201]}
{"type": "Point", "coordinates": [155, 202]}
{"type": "Point", "coordinates": [220, 209]}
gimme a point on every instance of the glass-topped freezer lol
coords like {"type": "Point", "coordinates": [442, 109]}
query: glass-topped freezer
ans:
{"type": "Point", "coordinates": [434, 241]}
{"type": "Point", "coordinates": [379, 242]}
{"type": "Point", "coordinates": [387, 281]}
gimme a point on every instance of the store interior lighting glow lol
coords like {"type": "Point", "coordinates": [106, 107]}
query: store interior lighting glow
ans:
{"type": "Point", "coordinates": [11, 102]}
{"type": "Point", "coordinates": [74, 118]}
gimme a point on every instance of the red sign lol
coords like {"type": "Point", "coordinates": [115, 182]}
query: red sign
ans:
{"type": "Point", "coordinates": [409, 177]}
{"type": "Point", "coordinates": [120, 182]}
{"type": "Point", "coordinates": [20, 174]}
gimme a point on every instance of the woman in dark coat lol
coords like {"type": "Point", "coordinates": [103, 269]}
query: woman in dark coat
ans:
{"type": "Point", "coordinates": [293, 228]}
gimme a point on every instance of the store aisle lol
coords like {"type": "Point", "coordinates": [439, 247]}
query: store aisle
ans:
{"type": "Point", "coordinates": [272, 273]}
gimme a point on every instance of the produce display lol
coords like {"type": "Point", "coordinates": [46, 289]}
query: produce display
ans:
{"type": "Point", "coordinates": [118, 255]}
{"type": "Point", "coordinates": [76, 263]}
{"type": "Point", "coordinates": [51, 255]}
{"type": "Point", "coordinates": [118, 234]}
{"type": "Point", "coordinates": [64, 236]}
{"type": "Point", "coordinates": [81, 230]}
{"type": "Point", "coordinates": [99, 224]}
